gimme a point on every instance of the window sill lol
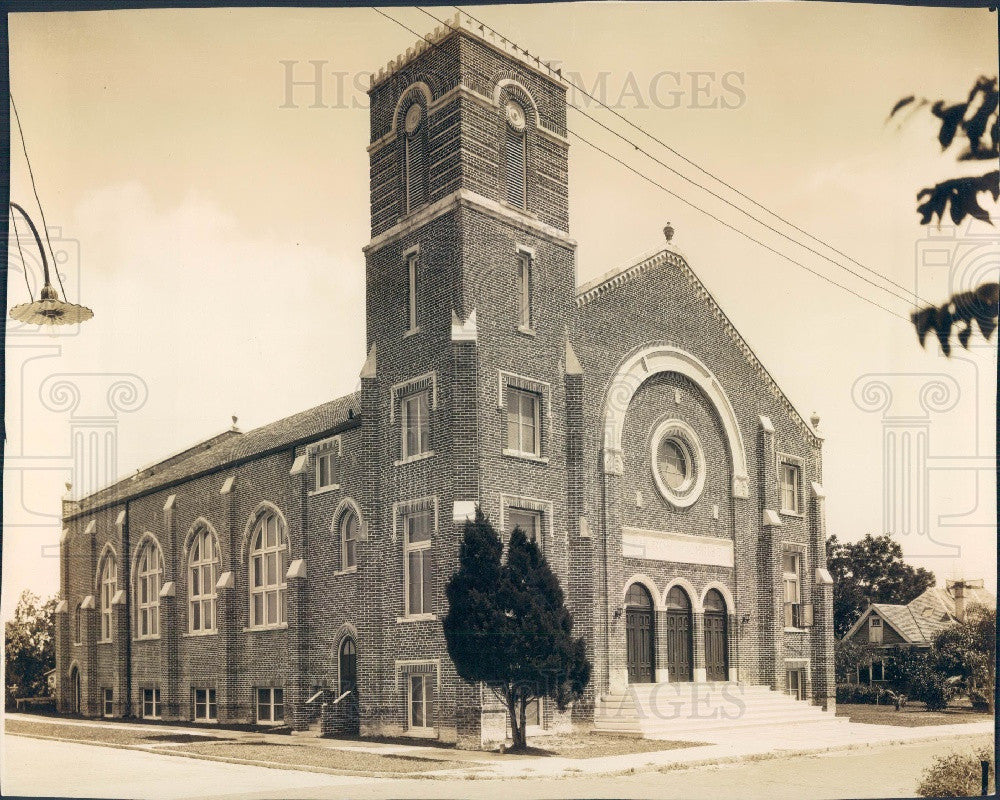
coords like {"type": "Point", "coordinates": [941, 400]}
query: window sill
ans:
{"type": "Point", "coordinates": [157, 718]}
{"type": "Point", "coordinates": [203, 721]}
{"type": "Point", "coordinates": [411, 459]}
{"type": "Point", "coordinates": [796, 630]}
{"type": "Point", "coordinates": [417, 618]}
{"type": "Point", "coordinates": [348, 571]}
{"type": "Point", "coordinates": [280, 626]}
{"type": "Point", "coordinates": [200, 634]}
{"type": "Point", "coordinates": [146, 639]}
{"type": "Point", "coordinates": [269, 724]}
{"type": "Point", "coordinates": [422, 733]}
{"type": "Point", "coordinates": [411, 332]}
{"type": "Point", "coordinates": [788, 513]}
{"type": "Point", "coordinates": [105, 641]}
{"type": "Point", "coordinates": [525, 456]}
{"type": "Point", "coordinates": [526, 330]}
{"type": "Point", "coordinates": [331, 488]}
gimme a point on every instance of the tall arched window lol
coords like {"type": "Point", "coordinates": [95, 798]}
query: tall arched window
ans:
{"type": "Point", "coordinates": [414, 157]}
{"type": "Point", "coordinates": [348, 663]}
{"type": "Point", "coordinates": [268, 557]}
{"type": "Point", "coordinates": [109, 585]}
{"type": "Point", "coordinates": [203, 567]}
{"type": "Point", "coordinates": [515, 155]}
{"type": "Point", "coordinates": [148, 577]}
{"type": "Point", "coordinates": [349, 527]}
{"type": "Point", "coordinates": [78, 624]}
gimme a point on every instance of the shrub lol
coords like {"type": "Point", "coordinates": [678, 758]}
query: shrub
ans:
{"type": "Point", "coordinates": [957, 774]}
{"type": "Point", "coordinates": [980, 700]}
{"type": "Point", "coordinates": [913, 673]}
{"type": "Point", "coordinates": [860, 693]}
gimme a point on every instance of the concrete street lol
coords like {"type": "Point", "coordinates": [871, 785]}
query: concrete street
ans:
{"type": "Point", "coordinates": [47, 768]}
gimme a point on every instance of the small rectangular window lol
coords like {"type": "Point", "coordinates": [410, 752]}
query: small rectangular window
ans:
{"type": "Point", "coordinates": [150, 703]}
{"type": "Point", "coordinates": [107, 702]}
{"type": "Point", "coordinates": [411, 292]}
{"type": "Point", "coordinates": [523, 423]}
{"type": "Point", "coordinates": [270, 705]}
{"type": "Point", "coordinates": [326, 466]}
{"type": "Point", "coordinates": [417, 529]}
{"type": "Point", "coordinates": [792, 582]}
{"type": "Point", "coordinates": [528, 521]}
{"type": "Point", "coordinates": [421, 703]}
{"type": "Point", "coordinates": [415, 419]}
{"type": "Point", "coordinates": [524, 290]}
{"type": "Point", "coordinates": [205, 708]}
{"type": "Point", "coordinates": [791, 479]}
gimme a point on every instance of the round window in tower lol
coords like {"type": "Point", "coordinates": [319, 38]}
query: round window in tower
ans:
{"type": "Point", "coordinates": [515, 115]}
{"type": "Point", "coordinates": [413, 116]}
{"type": "Point", "coordinates": [678, 462]}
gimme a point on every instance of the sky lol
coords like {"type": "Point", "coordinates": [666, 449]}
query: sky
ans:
{"type": "Point", "coordinates": [214, 220]}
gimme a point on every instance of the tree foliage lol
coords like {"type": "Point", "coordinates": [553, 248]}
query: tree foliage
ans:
{"type": "Point", "coordinates": [508, 626]}
{"type": "Point", "coordinates": [968, 651]}
{"type": "Point", "coordinates": [29, 647]}
{"type": "Point", "coordinates": [975, 122]}
{"type": "Point", "coordinates": [870, 570]}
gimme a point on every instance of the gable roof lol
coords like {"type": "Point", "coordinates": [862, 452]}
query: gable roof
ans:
{"type": "Point", "coordinates": [229, 448]}
{"type": "Point", "coordinates": [592, 290]}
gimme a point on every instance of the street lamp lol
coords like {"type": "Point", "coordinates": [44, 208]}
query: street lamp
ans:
{"type": "Point", "coordinates": [48, 309]}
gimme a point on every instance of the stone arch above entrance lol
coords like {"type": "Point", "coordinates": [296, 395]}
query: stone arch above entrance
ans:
{"type": "Point", "coordinates": [636, 370]}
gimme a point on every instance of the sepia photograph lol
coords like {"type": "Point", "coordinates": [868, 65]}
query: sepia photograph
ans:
{"type": "Point", "coordinates": [550, 400]}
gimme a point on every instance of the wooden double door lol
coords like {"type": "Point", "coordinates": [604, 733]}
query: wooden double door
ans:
{"type": "Point", "coordinates": [716, 646]}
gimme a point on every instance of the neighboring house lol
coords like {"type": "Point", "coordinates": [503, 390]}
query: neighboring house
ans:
{"type": "Point", "coordinates": [916, 623]}
{"type": "Point", "coordinates": [52, 681]}
{"type": "Point", "coordinates": [624, 424]}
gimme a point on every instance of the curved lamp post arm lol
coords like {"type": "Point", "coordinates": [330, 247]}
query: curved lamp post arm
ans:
{"type": "Point", "coordinates": [47, 288]}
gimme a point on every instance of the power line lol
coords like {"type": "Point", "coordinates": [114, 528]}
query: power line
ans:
{"type": "Point", "coordinates": [677, 196]}
{"type": "Point", "coordinates": [626, 120]}
{"type": "Point", "coordinates": [34, 188]}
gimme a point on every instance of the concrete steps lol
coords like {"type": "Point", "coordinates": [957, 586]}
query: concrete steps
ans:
{"type": "Point", "coordinates": [688, 710]}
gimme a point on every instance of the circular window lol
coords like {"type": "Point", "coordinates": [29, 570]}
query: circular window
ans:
{"type": "Point", "coordinates": [515, 115]}
{"type": "Point", "coordinates": [678, 462]}
{"type": "Point", "coordinates": [413, 117]}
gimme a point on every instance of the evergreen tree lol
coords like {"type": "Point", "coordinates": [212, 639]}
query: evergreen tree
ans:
{"type": "Point", "coordinates": [508, 626]}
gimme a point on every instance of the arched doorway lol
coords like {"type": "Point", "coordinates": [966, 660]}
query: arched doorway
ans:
{"type": "Point", "coordinates": [716, 637]}
{"type": "Point", "coordinates": [348, 665]}
{"type": "Point", "coordinates": [678, 635]}
{"type": "Point", "coordinates": [639, 634]}
{"type": "Point", "coordinates": [77, 691]}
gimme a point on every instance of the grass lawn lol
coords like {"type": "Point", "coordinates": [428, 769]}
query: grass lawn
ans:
{"type": "Point", "coordinates": [915, 715]}
{"type": "Point", "coordinates": [103, 734]}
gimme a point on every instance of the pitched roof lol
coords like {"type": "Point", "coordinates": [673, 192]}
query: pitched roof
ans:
{"type": "Point", "coordinates": [228, 448]}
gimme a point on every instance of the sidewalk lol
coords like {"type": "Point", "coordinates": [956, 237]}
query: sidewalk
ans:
{"type": "Point", "coordinates": [724, 747]}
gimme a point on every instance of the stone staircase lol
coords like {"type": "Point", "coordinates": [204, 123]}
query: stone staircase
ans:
{"type": "Point", "coordinates": [696, 710]}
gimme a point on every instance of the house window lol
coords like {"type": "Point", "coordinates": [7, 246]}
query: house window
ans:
{"type": "Point", "coordinates": [326, 466]}
{"type": "Point", "coordinates": [420, 717]}
{"type": "Point", "coordinates": [268, 554]}
{"type": "Point", "coordinates": [150, 703]}
{"type": "Point", "coordinates": [270, 705]}
{"type": "Point", "coordinates": [147, 590]}
{"type": "Point", "coordinates": [205, 708]}
{"type": "Point", "coordinates": [528, 521]}
{"type": "Point", "coordinates": [349, 527]}
{"type": "Point", "coordinates": [515, 155]}
{"type": "Point", "coordinates": [790, 480]}
{"type": "Point", "coordinates": [878, 670]}
{"type": "Point", "coordinates": [107, 702]}
{"type": "Point", "coordinates": [203, 566]}
{"type": "Point", "coordinates": [411, 293]}
{"type": "Point", "coordinates": [524, 290]}
{"type": "Point", "coordinates": [417, 529]}
{"type": "Point", "coordinates": [791, 571]}
{"type": "Point", "coordinates": [523, 422]}
{"type": "Point", "coordinates": [875, 630]}
{"type": "Point", "coordinates": [78, 625]}
{"type": "Point", "coordinates": [109, 585]}
{"type": "Point", "coordinates": [415, 418]}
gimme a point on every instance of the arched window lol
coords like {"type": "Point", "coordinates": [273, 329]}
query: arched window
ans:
{"type": "Point", "coordinates": [203, 568]}
{"type": "Point", "coordinates": [148, 577]}
{"type": "Point", "coordinates": [414, 157]}
{"type": "Point", "coordinates": [78, 625]}
{"type": "Point", "coordinates": [348, 663]}
{"type": "Point", "coordinates": [515, 155]}
{"type": "Point", "coordinates": [268, 557]}
{"type": "Point", "coordinates": [109, 585]}
{"type": "Point", "coordinates": [349, 527]}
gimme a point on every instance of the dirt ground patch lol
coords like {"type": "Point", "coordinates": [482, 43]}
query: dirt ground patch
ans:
{"type": "Point", "coordinates": [595, 746]}
{"type": "Point", "coordinates": [915, 715]}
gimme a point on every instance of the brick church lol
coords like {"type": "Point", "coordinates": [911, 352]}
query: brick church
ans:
{"type": "Point", "coordinates": [294, 574]}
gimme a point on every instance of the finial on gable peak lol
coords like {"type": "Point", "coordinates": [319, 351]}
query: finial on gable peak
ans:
{"type": "Point", "coordinates": [668, 232]}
